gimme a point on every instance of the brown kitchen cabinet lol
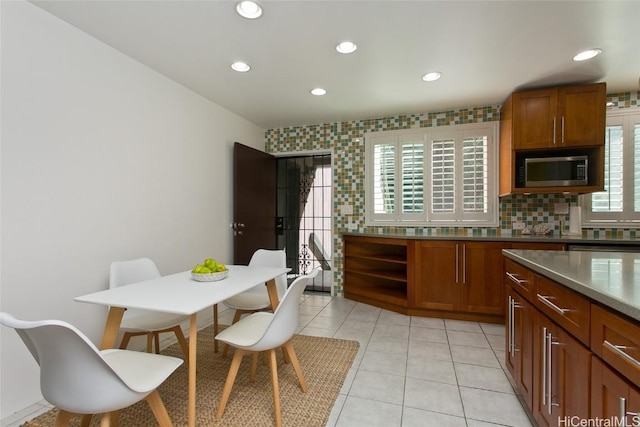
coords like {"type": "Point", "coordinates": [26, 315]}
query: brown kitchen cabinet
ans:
{"type": "Point", "coordinates": [375, 271]}
{"type": "Point", "coordinates": [437, 275]}
{"type": "Point", "coordinates": [482, 266]}
{"type": "Point", "coordinates": [616, 340]}
{"type": "Point", "coordinates": [561, 117]}
{"type": "Point", "coordinates": [460, 276]}
{"type": "Point", "coordinates": [612, 396]}
{"type": "Point", "coordinates": [519, 343]}
{"type": "Point", "coordinates": [561, 369]}
{"type": "Point", "coordinates": [557, 121]}
{"type": "Point", "coordinates": [585, 358]}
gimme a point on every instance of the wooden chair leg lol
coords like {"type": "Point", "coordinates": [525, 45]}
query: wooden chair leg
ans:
{"type": "Point", "coordinates": [288, 347]}
{"type": "Point", "coordinates": [110, 419]}
{"type": "Point", "coordinates": [125, 340]}
{"type": "Point", "coordinates": [215, 327]}
{"type": "Point", "coordinates": [63, 418]}
{"type": "Point", "coordinates": [254, 365]}
{"type": "Point", "coordinates": [231, 377]}
{"type": "Point", "coordinates": [236, 317]}
{"type": "Point", "coordinates": [86, 420]}
{"type": "Point", "coordinates": [158, 409]}
{"type": "Point", "coordinates": [183, 342]}
{"type": "Point", "coordinates": [156, 338]}
{"type": "Point", "coordinates": [149, 341]}
{"type": "Point", "coordinates": [274, 383]}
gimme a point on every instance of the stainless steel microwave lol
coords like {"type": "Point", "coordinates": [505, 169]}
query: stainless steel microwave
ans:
{"type": "Point", "coordinates": [556, 171]}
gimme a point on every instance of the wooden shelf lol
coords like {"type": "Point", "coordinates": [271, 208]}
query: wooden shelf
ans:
{"type": "Point", "coordinates": [375, 271]}
{"type": "Point", "coordinates": [391, 295]}
{"type": "Point", "coordinates": [382, 274]}
{"type": "Point", "coordinates": [399, 259]}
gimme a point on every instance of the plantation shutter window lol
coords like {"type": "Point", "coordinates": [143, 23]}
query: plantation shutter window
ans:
{"type": "Point", "coordinates": [619, 204]}
{"type": "Point", "coordinates": [441, 176]}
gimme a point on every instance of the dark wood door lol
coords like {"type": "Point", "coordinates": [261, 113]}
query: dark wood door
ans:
{"type": "Point", "coordinates": [582, 114]}
{"type": "Point", "coordinates": [254, 202]}
{"type": "Point", "coordinates": [561, 374]}
{"type": "Point", "coordinates": [533, 118]}
{"type": "Point", "coordinates": [482, 289]}
{"type": "Point", "coordinates": [608, 388]}
{"type": "Point", "coordinates": [519, 343]}
{"type": "Point", "coordinates": [437, 275]}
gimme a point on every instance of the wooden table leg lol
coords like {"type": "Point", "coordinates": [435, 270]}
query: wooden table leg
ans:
{"type": "Point", "coordinates": [193, 340]}
{"type": "Point", "coordinates": [273, 294]}
{"type": "Point", "coordinates": [215, 328]}
{"type": "Point", "coordinates": [111, 328]}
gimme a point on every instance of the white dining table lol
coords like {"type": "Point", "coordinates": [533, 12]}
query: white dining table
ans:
{"type": "Point", "coordinates": [180, 294]}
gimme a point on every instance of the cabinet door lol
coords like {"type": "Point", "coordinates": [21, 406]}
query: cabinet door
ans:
{"type": "Point", "coordinates": [561, 374]}
{"type": "Point", "coordinates": [534, 115]}
{"type": "Point", "coordinates": [437, 275]}
{"type": "Point", "coordinates": [612, 397]}
{"type": "Point", "coordinates": [482, 285]}
{"type": "Point", "coordinates": [519, 343]}
{"type": "Point", "coordinates": [581, 115]}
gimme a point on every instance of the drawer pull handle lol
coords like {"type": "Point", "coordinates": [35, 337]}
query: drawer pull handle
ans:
{"type": "Point", "coordinates": [545, 300]}
{"type": "Point", "coordinates": [515, 279]}
{"type": "Point", "coordinates": [618, 349]}
{"type": "Point", "coordinates": [624, 413]}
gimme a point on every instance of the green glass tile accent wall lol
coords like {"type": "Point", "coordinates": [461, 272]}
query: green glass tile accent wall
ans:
{"type": "Point", "coordinates": [345, 141]}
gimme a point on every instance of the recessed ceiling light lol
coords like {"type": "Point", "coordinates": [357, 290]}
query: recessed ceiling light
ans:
{"type": "Point", "coordinates": [346, 47]}
{"type": "Point", "coordinates": [249, 9]}
{"type": "Point", "coordinates": [241, 67]}
{"type": "Point", "coordinates": [318, 91]}
{"type": "Point", "coordinates": [432, 76]}
{"type": "Point", "coordinates": [587, 54]}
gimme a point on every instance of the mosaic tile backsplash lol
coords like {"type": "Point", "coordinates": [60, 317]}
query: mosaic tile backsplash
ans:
{"type": "Point", "coordinates": [345, 141]}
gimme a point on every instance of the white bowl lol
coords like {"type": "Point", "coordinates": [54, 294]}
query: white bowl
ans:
{"type": "Point", "coordinates": [210, 277]}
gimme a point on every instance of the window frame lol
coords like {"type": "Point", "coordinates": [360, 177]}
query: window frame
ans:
{"type": "Point", "coordinates": [626, 118]}
{"type": "Point", "coordinates": [459, 218]}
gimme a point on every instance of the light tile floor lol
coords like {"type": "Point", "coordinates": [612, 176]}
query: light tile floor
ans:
{"type": "Point", "coordinates": [409, 371]}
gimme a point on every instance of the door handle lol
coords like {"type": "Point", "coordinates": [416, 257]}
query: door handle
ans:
{"type": "Point", "coordinates": [237, 228]}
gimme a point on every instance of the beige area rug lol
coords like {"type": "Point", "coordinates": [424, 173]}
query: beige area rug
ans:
{"type": "Point", "coordinates": [324, 361]}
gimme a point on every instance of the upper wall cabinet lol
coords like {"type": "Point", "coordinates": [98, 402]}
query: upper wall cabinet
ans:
{"type": "Point", "coordinates": [572, 116]}
{"type": "Point", "coordinates": [552, 122]}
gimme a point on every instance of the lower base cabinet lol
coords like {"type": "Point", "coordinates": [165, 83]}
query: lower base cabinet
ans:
{"type": "Point", "coordinates": [612, 397]}
{"type": "Point", "coordinates": [519, 343]}
{"type": "Point", "coordinates": [561, 375]}
{"type": "Point", "coordinates": [565, 378]}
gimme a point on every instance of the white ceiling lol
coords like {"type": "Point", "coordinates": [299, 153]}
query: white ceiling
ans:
{"type": "Point", "coordinates": [485, 50]}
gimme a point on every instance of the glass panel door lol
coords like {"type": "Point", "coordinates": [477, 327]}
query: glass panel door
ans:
{"type": "Point", "coordinates": [304, 206]}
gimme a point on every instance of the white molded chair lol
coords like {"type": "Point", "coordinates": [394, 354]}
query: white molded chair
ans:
{"type": "Point", "coordinates": [79, 379]}
{"type": "Point", "coordinates": [137, 322]}
{"type": "Point", "coordinates": [263, 331]}
{"type": "Point", "coordinates": [257, 298]}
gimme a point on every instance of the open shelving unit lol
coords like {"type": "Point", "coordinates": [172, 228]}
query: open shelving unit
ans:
{"type": "Point", "coordinates": [375, 270]}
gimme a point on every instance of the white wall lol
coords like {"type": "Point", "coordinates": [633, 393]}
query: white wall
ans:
{"type": "Point", "coordinates": [102, 159]}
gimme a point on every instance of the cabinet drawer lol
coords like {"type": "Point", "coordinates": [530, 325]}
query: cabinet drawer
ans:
{"type": "Point", "coordinates": [617, 341]}
{"type": "Point", "coordinates": [567, 308]}
{"type": "Point", "coordinates": [519, 278]}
